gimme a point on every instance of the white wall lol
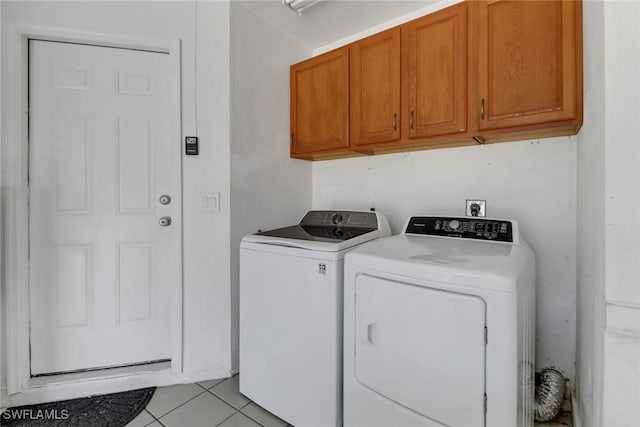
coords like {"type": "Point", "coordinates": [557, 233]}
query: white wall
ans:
{"type": "Point", "coordinates": [622, 208]}
{"type": "Point", "coordinates": [608, 374]}
{"type": "Point", "coordinates": [532, 182]}
{"type": "Point", "coordinates": [206, 236]}
{"type": "Point", "coordinates": [268, 189]}
{"type": "Point", "coordinates": [591, 223]}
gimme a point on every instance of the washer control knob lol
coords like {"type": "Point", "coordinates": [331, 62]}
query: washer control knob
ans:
{"type": "Point", "coordinates": [336, 218]}
{"type": "Point", "coordinates": [454, 224]}
{"type": "Point", "coordinates": [338, 233]}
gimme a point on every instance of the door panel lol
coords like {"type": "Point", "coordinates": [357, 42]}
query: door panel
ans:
{"type": "Point", "coordinates": [375, 88]}
{"type": "Point", "coordinates": [101, 267]}
{"type": "Point", "coordinates": [422, 348]}
{"type": "Point", "coordinates": [71, 164]}
{"type": "Point", "coordinates": [527, 62]}
{"type": "Point", "coordinates": [135, 177]}
{"type": "Point", "coordinates": [320, 103]}
{"type": "Point", "coordinates": [435, 63]}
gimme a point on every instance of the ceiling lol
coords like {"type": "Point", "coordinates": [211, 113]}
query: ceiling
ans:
{"type": "Point", "coordinates": [332, 20]}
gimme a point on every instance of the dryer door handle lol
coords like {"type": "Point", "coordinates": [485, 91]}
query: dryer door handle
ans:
{"type": "Point", "coordinates": [372, 333]}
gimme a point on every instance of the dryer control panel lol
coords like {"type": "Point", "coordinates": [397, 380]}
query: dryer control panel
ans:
{"type": "Point", "coordinates": [461, 227]}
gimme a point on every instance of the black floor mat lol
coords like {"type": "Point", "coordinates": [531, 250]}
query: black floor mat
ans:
{"type": "Point", "coordinates": [108, 410]}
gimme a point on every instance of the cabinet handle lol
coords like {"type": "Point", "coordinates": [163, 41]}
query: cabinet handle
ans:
{"type": "Point", "coordinates": [292, 141]}
{"type": "Point", "coordinates": [411, 120]}
{"type": "Point", "coordinates": [482, 109]}
{"type": "Point", "coordinates": [395, 123]}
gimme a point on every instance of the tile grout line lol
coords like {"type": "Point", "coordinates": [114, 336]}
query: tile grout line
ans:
{"type": "Point", "coordinates": [258, 421]}
{"type": "Point", "coordinates": [225, 420]}
{"type": "Point", "coordinates": [227, 402]}
{"type": "Point", "coordinates": [154, 418]}
{"type": "Point", "coordinates": [249, 416]}
{"type": "Point", "coordinates": [238, 411]}
{"type": "Point", "coordinates": [179, 406]}
{"type": "Point", "coordinates": [157, 421]}
{"type": "Point", "coordinates": [204, 390]}
{"type": "Point", "coordinates": [215, 385]}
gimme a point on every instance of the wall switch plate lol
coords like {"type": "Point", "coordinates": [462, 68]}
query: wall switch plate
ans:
{"type": "Point", "coordinates": [476, 208]}
{"type": "Point", "coordinates": [209, 202]}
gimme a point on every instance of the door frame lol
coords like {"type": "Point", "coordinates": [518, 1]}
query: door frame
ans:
{"type": "Point", "coordinates": [14, 202]}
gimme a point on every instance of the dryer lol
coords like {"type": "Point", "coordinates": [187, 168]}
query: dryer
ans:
{"type": "Point", "coordinates": [439, 326]}
{"type": "Point", "coordinates": [291, 313]}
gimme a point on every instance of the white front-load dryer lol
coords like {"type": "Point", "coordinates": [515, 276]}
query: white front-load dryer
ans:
{"type": "Point", "coordinates": [439, 326]}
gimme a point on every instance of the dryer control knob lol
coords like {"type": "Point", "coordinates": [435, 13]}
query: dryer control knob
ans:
{"type": "Point", "coordinates": [336, 218]}
{"type": "Point", "coordinates": [454, 224]}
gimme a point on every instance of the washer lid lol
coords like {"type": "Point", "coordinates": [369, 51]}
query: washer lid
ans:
{"type": "Point", "coordinates": [477, 264]}
{"type": "Point", "coordinates": [312, 243]}
{"type": "Point", "coordinates": [329, 231]}
{"type": "Point", "coordinates": [317, 233]}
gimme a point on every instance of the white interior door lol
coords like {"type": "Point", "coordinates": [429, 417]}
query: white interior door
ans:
{"type": "Point", "coordinates": [101, 155]}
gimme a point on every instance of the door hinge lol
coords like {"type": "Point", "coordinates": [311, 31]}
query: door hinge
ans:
{"type": "Point", "coordinates": [486, 335]}
{"type": "Point", "coordinates": [485, 403]}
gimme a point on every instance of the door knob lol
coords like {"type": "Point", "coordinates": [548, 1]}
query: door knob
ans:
{"type": "Point", "coordinates": [165, 199]}
{"type": "Point", "coordinates": [165, 221]}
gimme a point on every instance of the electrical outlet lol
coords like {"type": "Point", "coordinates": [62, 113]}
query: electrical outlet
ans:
{"type": "Point", "coordinates": [476, 208]}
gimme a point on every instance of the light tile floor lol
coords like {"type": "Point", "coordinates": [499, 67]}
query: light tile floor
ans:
{"type": "Point", "coordinates": [219, 403]}
{"type": "Point", "coordinates": [215, 403]}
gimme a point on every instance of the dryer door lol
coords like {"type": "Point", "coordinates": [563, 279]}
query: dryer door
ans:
{"type": "Point", "coordinates": [422, 348]}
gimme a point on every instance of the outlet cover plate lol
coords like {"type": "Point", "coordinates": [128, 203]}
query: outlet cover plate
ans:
{"type": "Point", "coordinates": [209, 202]}
{"type": "Point", "coordinates": [483, 205]}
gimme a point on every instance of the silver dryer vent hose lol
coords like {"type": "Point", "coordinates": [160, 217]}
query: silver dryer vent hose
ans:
{"type": "Point", "coordinates": [549, 395]}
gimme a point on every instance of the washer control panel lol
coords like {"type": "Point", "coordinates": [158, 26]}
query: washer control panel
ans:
{"type": "Point", "coordinates": [465, 227]}
{"type": "Point", "coordinates": [347, 219]}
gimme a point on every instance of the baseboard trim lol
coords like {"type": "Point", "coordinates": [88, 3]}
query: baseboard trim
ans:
{"type": "Point", "coordinates": [623, 318]}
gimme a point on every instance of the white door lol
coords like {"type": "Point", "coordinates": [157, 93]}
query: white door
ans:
{"type": "Point", "coordinates": [422, 348]}
{"type": "Point", "coordinates": [101, 155]}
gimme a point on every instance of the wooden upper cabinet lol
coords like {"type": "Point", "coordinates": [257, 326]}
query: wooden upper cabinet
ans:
{"type": "Point", "coordinates": [529, 63]}
{"type": "Point", "coordinates": [435, 59]}
{"type": "Point", "coordinates": [320, 104]}
{"type": "Point", "coordinates": [476, 72]}
{"type": "Point", "coordinates": [375, 88]}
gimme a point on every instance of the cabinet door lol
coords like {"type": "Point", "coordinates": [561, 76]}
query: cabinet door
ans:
{"type": "Point", "coordinates": [320, 103]}
{"type": "Point", "coordinates": [435, 67]}
{"type": "Point", "coordinates": [375, 88]}
{"type": "Point", "coordinates": [527, 62]}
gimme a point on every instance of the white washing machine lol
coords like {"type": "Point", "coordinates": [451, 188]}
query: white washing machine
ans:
{"type": "Point", "coordinates": [291, 287]}
{"type": "Point", "coordinates": [439, 326]}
